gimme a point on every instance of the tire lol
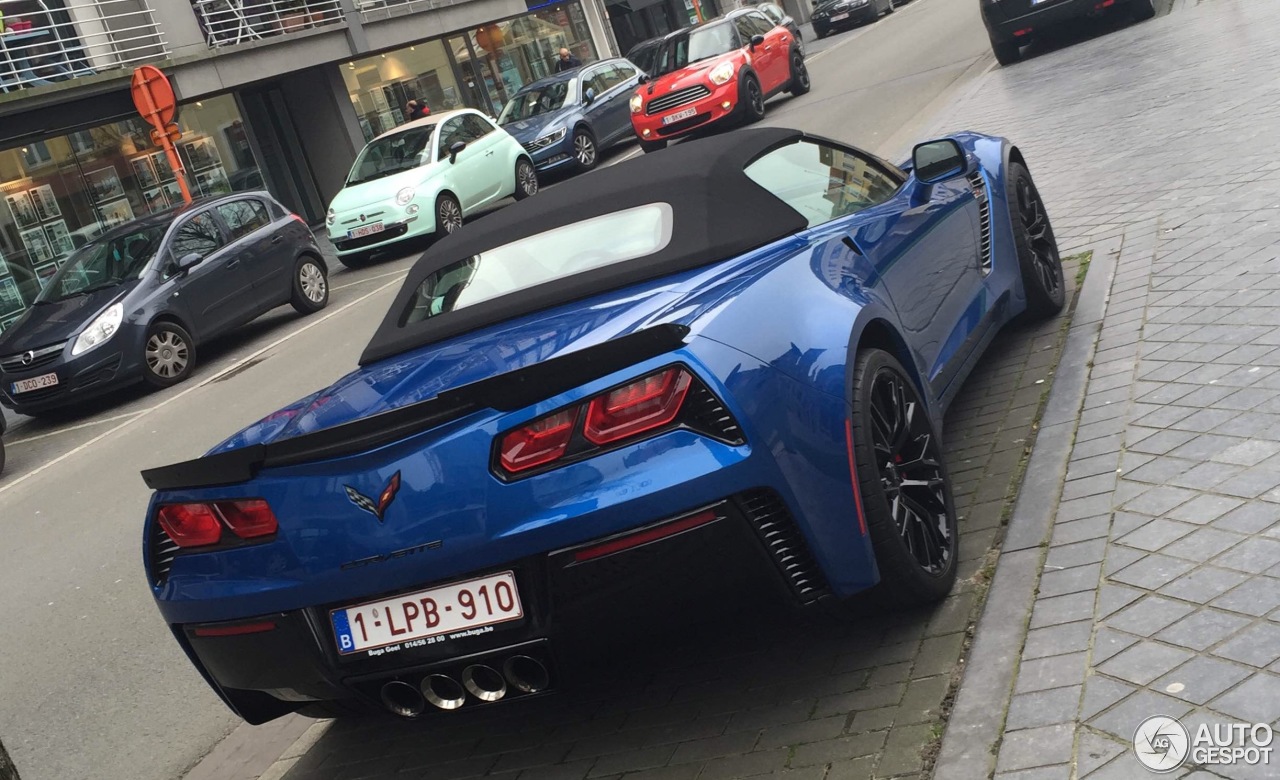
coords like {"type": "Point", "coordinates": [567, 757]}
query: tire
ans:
{"type": "Point", "coordinates": [1142, 10]}
{"type": "Point", "coordinates": [1038, 260]}
{"type": "Point", "coordinates": [526, 179]}
{"type": "Point", "coordinates": [310, 285]}
{"type": "Point", "coordinates": [751, 98]}
{"type": "Point", "coordinates": [1007, 52]}
{"type": "Point", "coordinates": [913, 531]}
{"type": "Point", "coordinates": [354, 260]}
{"type": "Point", "coordinates": [800, 84]}
{"type": "Point", "coordinates": [652, 146]}
{"type": "Point", "coordinates": [585, 150]}
{"type": "Point", "coordinates": [448, 214]}
{"type": "Point", "coordinates": [168, 354]}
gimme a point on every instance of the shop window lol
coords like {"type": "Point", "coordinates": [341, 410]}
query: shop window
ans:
{"type": "Point", "coordinates": [243, 217]}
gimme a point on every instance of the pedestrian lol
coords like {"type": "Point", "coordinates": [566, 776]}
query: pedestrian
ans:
{"type": "Point", "coordinates": [416, 110]}
{"type": "Point", "coordinates": [567, 61]}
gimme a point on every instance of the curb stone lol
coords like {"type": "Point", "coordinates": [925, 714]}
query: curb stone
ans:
{"type": "Point", "coordinates": [974, 729]}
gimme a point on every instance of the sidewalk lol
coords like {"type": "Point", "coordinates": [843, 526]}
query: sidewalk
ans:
{"type": "Point", "coordinates": [1141, 570]}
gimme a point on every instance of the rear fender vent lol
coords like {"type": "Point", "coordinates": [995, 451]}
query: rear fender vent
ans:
{"type": "Point", "coordinates": [786, 545]}
{"type": "Point", "coordinates": [707, 414]}
{"type": "Point", "coordinates": [979, 185]}
{"type": "Point", "coordinates": [160, 553]}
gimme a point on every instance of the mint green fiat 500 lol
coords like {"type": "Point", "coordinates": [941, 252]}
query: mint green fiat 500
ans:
{"type": "Point", "coordinates": [424, 177]}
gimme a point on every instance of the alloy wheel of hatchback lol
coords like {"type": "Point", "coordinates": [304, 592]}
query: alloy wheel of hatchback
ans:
{"type": "Point", "coordinates": [448, 213]}
{"type": "Point", "coordinates": [754, 104]}
{"type": "Point", "coordinates": [168, 355]}
{"type": "Point", "coordinates": [526, 179]}
{"type": "Point", "coordinates": [584, 149]}
{"type": "Point", "coordinates": [313, 284]}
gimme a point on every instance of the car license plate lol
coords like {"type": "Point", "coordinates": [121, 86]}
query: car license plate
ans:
{"type": "Point", "coordinates": [35, 383]}
{"type": "Point", "coordinates": [415, 618]}
{"type": "Point", "coordinates": [677, 116]}
{"type": "Point", "coordinates": [838, 17]}
{"type": "Point", "coordinates": [365, 230]}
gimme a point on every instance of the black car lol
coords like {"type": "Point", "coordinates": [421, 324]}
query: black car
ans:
{"type": "Point", "coordinates": [1, 443]}
{"type": "Point", "coordinates": [643, 53]}
{"type": "Point", "coordinates": [133, 304]}
{"type": "Point", "coordinates": [1012, 24]}
{"type": "Point", "coordinates": [831, 15]}
{"type": "Point", "coordinates": [773, 12]}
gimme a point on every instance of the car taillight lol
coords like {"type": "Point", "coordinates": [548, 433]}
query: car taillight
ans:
{"type": "Point", "coordinates": [249, 519]}
{"type": "Point", "coordinates": [638, 408]}
{"type": "Point", "coordinates": [201, 524]}
{"type": "Point", "coordinates": [641, 406]}
{"type": "Point", "coordinates": [539, 442]}
{"type": "Point", "coordinates": [190, 525]}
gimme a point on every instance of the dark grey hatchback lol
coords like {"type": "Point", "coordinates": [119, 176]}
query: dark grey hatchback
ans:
{"type": "Point", "coordinates": [133, 304]}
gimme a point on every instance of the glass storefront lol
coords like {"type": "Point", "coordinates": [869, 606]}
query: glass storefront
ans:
{"type": "Point", "coordinates": [481, 68]}
{"type": "Point", "coordinates": [59, 193]}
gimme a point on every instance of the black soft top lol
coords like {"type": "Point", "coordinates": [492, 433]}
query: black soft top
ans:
{"type": "Point", "coordinates": [718, 213]}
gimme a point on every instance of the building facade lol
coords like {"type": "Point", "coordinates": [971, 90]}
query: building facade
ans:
{"type": "Point", "coordinates": [274, 94]}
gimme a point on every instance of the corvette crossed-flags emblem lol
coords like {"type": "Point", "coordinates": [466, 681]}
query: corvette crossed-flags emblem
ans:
{"type": "Point", "coordinates": [376, 508]}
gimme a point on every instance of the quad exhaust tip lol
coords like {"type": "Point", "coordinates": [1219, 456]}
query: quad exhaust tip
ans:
{"type": "Point", "coordinates": [444, 692]}
{"type": "Point", "coordinates": [403, 699]}
{"type": "Point", "coordinates": [484, 682]}
{"type": "Point", "coordinates": [526, 674]}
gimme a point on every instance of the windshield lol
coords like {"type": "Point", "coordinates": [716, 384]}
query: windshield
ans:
{"type": "Point", "coordinates": [555, 254]}
{"type": "Point", "coordinates": [700, 43]}
{"type": "Point", "coordinates": [537, 100]}
{"type": "Point", "coordinates": [392, 154]}
{"type": "Point", "coordinates": [104, 263]}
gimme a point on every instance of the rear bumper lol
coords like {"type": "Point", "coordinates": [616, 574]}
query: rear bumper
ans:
{"type": "Point", "coordinates": [857, 16]}
{"type": "Point", "coordinates": [1002, 23]}
{"type": "Point", "coordinates": [753, 543]}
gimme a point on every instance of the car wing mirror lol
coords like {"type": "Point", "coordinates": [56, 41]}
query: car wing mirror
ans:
{"type": "Point", "coordinates": [589, 97]}
{"type": "Point", "coordinates": [757, 40]}
{"type": "Point", "coordinates": [935, 161]}
{"type": "Point", "coordinates": [189, 261]}
{"type": "Point", "coordinates": [643, 79]}
{"type": "Point", "coordinates": [455, 150]}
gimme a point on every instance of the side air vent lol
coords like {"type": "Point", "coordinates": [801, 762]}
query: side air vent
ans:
{"type": "Point", "coordinates": [707, 414]}
{"type": "Point", "coordinates": [161, 553]}
{"type": "Point", "coordinates": [979, 186]}
{"type": "Point", "coordinates": [769, 516]}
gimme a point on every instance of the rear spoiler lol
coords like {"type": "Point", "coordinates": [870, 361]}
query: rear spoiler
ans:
{"type": "Point", "coordinates": [504, 392]}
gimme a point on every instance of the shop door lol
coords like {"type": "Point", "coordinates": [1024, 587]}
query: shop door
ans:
{"type": "Point", "coordinates": [284, 165]}
{"type": "Point", "coordinates": [477, 88]}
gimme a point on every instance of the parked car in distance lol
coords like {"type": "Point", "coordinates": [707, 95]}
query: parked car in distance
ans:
{"type": "Point", "coordinates": [724, 69]}
{"type": "Point", "coordinates": [775, 14]}
{"type": "Point", "coordinates": [134, 304]}
{"type": "Point", "coordinates": [566, 120]}
{"type": "Point", "coordinates": [832, 15]}
{"type": "Point", "coordinates": [425, 177]}
{"type": "Point", "coordinates": [643, 53]}
{"type": "Point", "coordinates": [1012, 24]}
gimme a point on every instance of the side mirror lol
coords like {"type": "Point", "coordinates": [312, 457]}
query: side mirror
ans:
{"type": "Point", "coordinates": [936, 161]}
{"type": "Point", "coordinates": [189, 261]}
{"type": "Point", "coordinates": [757, 40]}
{"type": "Point", "coordinates": [456, 150]}
{"type": "Point", "coordinates": [589, 97]}
{"type": "Point", "coordinates": [644, 79]}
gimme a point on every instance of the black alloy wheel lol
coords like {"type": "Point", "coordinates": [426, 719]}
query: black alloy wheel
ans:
{"type": "Point", "coordinates": [584, 150]}
{"type": "Point", "coordinates": [799, 76]}
{"type": "Point", "coordinates": [904, 484]}
{"type": "Point", "coordinates": [1038, 258]}
{"type": "Point", "coordinates": [752, 100]}
{"type": "Point", "coordinates": [168, 355]}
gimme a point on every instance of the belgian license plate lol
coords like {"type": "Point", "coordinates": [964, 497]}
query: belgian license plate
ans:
{"type": "Point", "coordinates": [35, 383]}
{"type": "Point", "coordinates": [677, 116]}
{"type": "Point", "coordinates": [838, 17]}
{"type": "Point", "coordinates": [418, 618]}
{"type": "Point", "coordinates": [365, 230]}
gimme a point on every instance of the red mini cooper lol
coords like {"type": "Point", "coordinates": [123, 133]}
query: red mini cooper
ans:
{"type": "Point", "coordinates": [722, 69]}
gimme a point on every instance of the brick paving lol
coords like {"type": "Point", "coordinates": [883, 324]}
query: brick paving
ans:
{"type": "Point", "coordinates": [1160, 576]}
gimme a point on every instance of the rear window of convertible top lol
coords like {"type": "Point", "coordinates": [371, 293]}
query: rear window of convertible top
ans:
{"type": "Point", "coordinates": [545, 257]}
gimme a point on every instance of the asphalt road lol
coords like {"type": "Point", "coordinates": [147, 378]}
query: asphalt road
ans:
{"type": "Point", "coordinates": [91, 684]}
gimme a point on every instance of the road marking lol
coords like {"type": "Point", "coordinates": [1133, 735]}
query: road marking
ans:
{"type": "Point", "coordinates": [69, 429]}
{"type": "Point", "coordinates": [19, 480]}
{"type": "Point", "coordinates": [370, 279]}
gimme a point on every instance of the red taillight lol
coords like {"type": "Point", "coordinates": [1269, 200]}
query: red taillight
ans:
{"type": "Point", "coordinates": [539, 442]}
{"type": "Point", "coordinates": [190, 525]}
{"type": "Point", "coordinates": [643, 405]}
{"type": "Point", "coordinates": [248, 519]}
{"type": "Point", "coordinates": [243, 628]}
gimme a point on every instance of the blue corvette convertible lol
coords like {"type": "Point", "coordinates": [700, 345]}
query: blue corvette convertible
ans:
{"type": "Point", "coordinates": [729, 357]}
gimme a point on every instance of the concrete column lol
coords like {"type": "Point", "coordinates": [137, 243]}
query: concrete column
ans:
{"type": "Point", "coordinates": [601, 31]}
